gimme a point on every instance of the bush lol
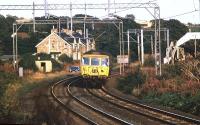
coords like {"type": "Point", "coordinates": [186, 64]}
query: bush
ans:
{"type": "Point", "coordinates": [149, 61]}
{"type": "Point", "coordinates": [28, 62]}
{"type": "Point", "coordinates": [170, 71]}
{"type": "Point", "coordinates": [43, 56]}
{"type": "Point", "coordinates": [5, 79]}
{"type": "Point", "coordinates": [8, 86]}
{"type": "Point", "coordinates": [131, 81]}
{"type": "Point", "coordinates": [56, 66]}
{"type": "Point", "coordinates": [65, 59]}
{"type": "Point", "coordinates": [187, 103]}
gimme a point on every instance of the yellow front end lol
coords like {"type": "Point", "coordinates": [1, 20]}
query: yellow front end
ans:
{"type": "Point", "coordinates": [93, 65]}
{"type": "Point", "coordinates": [99, 71]}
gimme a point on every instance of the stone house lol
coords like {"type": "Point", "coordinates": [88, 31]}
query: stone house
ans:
{"type": "Point", "coordinates": [66, 42]}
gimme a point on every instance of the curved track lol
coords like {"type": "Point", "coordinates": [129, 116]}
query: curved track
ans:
{"type": "Point", "coordinates": [178, 117]}
{"type": "Point", "coordinates": [81, 109]}
{"type": "Point", "coordinates": [62, 103]}
{"type": "Point", "coordinates": [142, 109]}
{"type": "Point", "coordinates": [99, 106]}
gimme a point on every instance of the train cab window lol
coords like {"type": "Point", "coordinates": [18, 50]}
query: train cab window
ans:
{"type": "Point", "coordinates": [85, 61]}
{"type": "Point", "coordinates": [95, 61]}
{"type": "Point", "coordinates": [104, 62]}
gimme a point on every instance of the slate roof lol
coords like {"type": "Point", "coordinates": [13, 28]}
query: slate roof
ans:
{"type": "Point", "coordinates": [70, 38]}
{"type": "Point", "coordinates": [66, 37]}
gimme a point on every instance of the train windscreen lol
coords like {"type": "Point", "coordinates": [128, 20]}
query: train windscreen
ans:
{"type": "Point", "coordinates": [95, 61]}
{"type": "Point", "coordinates": [85, 61]}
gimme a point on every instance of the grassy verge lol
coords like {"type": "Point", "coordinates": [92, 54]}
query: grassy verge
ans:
{"type": "Point", "coordinates": [13, 89]}
{"type": "Point", "coordinates": [31, 83]}
{"type": "Point", "coordinates": [185, 102]}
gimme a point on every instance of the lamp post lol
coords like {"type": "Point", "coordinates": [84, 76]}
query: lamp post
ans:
{"type": "Point", "coordinates": [15, 47]}
{"type": "Point", "coordinates": [13, 37]}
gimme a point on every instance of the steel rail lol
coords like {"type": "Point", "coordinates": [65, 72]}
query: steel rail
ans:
{"type": "Point", "coordinates": [96, 109]}
{"type": "Point", "coordinates": [62, 104]}
{"type": "Point", "coordinates": [174, 115]}
{"type": "Point", "coordinates": [131, 110]}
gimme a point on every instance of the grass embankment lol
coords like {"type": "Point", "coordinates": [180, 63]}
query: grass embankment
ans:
{"type": "Point", "coordinates": [13, 89]}
{"type": "Point", "coordinates": [175, 88]}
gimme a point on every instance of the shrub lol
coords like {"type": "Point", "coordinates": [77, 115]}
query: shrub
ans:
{"type": "Point", "coordinates": [28, 62]}
{"type": "Point", "coordinates": [131, 81]}
{"type": "Point", "coordinates": [187, 102]}
{"type": "Point", "coordinates": [43, 56]}
{"type": "Point", "coordinates": [170, 71]}
{"type": "Point", "coordinates": [8, 86]}
{"type": "Point", "coordinates": [65, 59]}
{"type": "Point", "coordinates": [149, 61]}
{"type": "Point", "coordinates": [5, 79]}
{"type": "Point", "coordinates": [56, 66]}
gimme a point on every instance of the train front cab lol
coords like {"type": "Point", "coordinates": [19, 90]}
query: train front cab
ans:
{"type": "Point", "coordinates": [95, 66]}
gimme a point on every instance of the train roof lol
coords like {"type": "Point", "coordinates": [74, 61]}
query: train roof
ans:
{"type": "Point", "coordinates": [95, 53]}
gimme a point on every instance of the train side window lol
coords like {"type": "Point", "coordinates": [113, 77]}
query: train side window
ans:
{"type": "Point", "coordinates": [95, 61]}
{"type": "Point", "coordinates": [85, 61]}
{"type": "Point", "coordinates": [104, 62]}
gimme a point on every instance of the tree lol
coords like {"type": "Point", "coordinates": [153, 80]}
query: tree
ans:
{"type": "Point", "coordinates": [176, 28]}
{"type": "Point", "coordinates": [130, 16]}
{"type": "Point", "coordinates": [6, 25]}
{"type": "Point", "coordinates": [28, 62]}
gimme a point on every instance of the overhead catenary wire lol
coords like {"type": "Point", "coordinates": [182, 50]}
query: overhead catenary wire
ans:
{"type": "Point", "coordinates": [128, 8]}
{"type": "Point", "coordinates": [182, 14]}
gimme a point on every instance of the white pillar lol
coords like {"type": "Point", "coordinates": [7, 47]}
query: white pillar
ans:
{"type": "Point", "coordinates": [142, 47]}
{"type": "Point", "coordinates": [128, 44]}
{"type": "Point", "coordinates": [152, 45]}
{"type": "Point", "coordinates": [138, 42]}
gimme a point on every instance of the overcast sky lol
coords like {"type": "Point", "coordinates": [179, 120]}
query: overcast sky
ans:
{"type": "Point", "coordinates": [169, 9]}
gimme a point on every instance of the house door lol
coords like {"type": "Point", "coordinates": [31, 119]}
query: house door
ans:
{"type": "Point", "coordinates": [43, 66]}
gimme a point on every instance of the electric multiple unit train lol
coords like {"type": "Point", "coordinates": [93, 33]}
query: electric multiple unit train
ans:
{"type": "Point", "coordinates": [95, 64]}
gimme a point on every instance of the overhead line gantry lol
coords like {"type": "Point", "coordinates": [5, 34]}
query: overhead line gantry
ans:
{"type": "Point", "coordinates": [104, 6]}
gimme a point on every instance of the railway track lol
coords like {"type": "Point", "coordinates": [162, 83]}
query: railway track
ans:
{"type": "Point", "coordinates": [78, 100]}
{"type": "Point", "coordinates": [131, 118]}
{"type": "Point", "coordinates": [62, 103]}
{"type": "Point", "coordinates": [86, 112]}
{"type": "Point", "coordinates": [142, 109]}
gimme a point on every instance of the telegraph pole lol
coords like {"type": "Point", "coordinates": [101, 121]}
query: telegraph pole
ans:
{"type": "Point", "coordinates": [45, 8]}
{"type": "Point", "coordinates": [71, 15]}
{"type": "Point", "coordinates": [13, 36]}
{"type": "Point", "coordinates": [33, 17]}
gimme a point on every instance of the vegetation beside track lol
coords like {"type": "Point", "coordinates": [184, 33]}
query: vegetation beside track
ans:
{"type": "Point", "coordinates": [14, 89]}
{"type": "Point", "coordinates": [174, 88]}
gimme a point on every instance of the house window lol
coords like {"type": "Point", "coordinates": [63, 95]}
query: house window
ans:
{"type": "Point", "coordinates": [53, 46]}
